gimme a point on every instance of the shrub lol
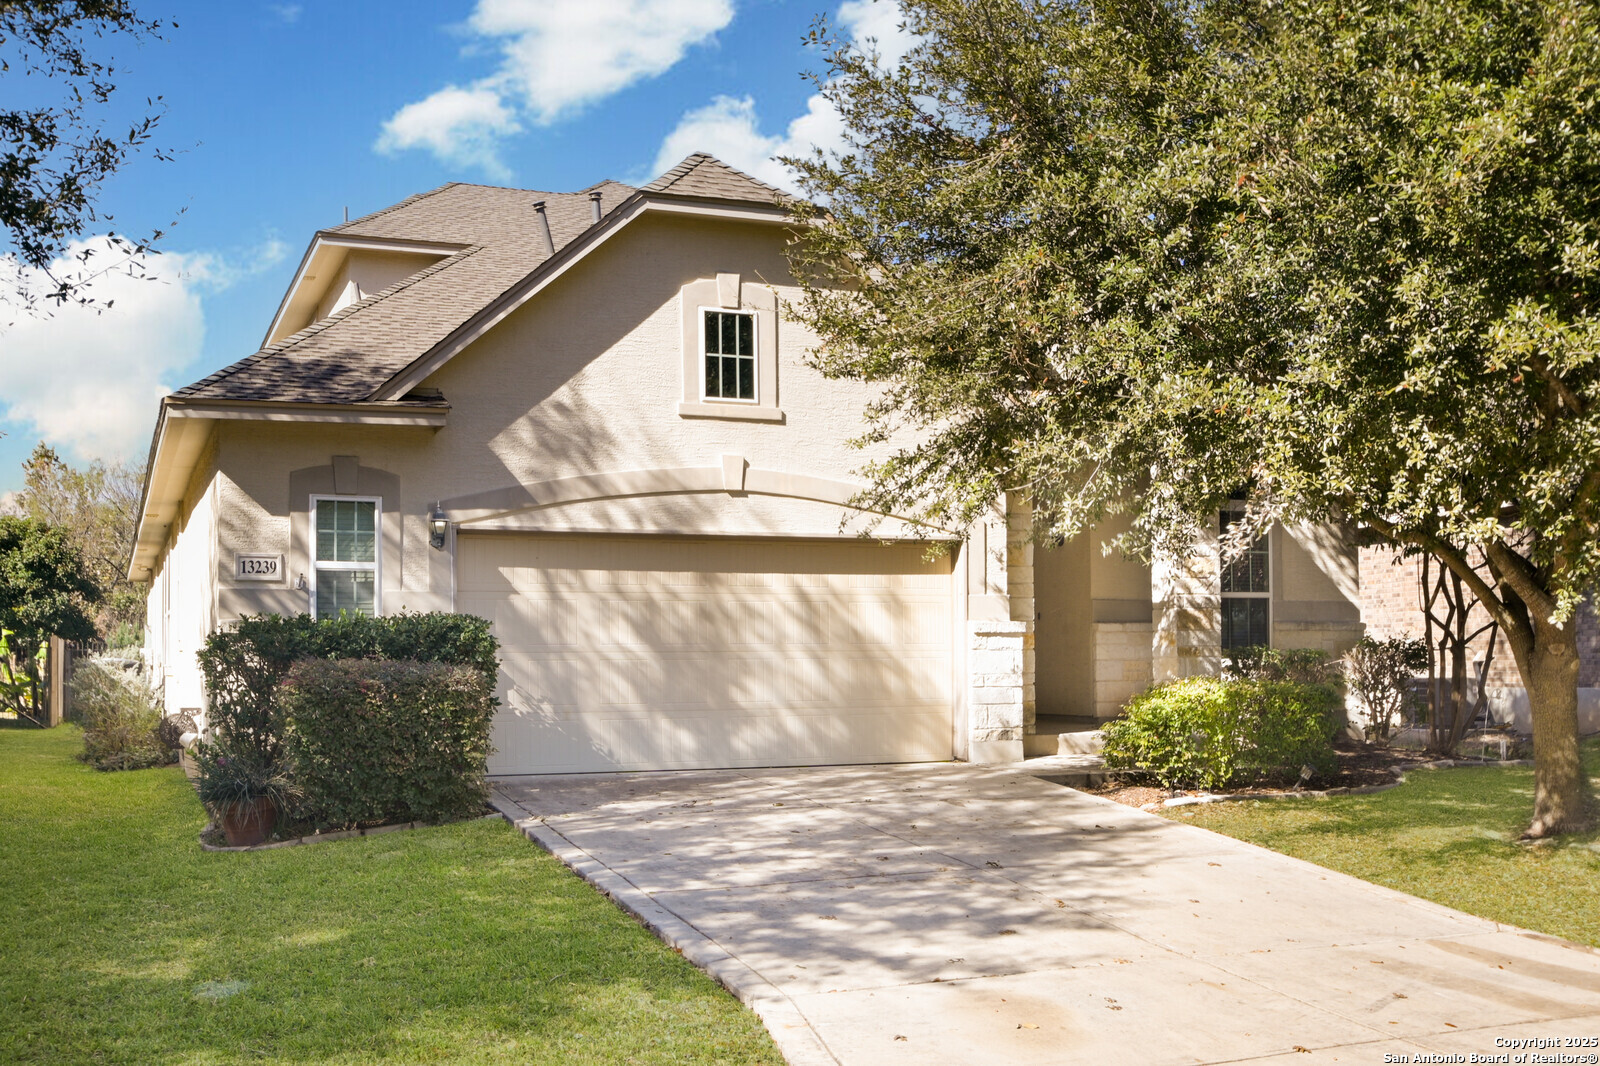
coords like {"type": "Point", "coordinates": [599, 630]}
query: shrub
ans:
{"type": "Point", "coordinates": [244, 663]}
{"type": "Point", "coordinates": [1209, 733]}
{"type": "Point", "coordinates": [1303, 666]}
{"type": "Point", "coordinates": [378, 740]}
{"type": "Point", "coordinates": [1379, 673]}
{"type": "Point", "coordinates": [120, 717]}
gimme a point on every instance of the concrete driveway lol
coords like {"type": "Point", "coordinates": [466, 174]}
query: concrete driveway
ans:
{"type": "Point", "coordinates": [957, 914]}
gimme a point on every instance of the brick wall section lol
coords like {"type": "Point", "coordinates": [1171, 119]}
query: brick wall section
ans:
{"type": "Point", "coordinates": [1391, 606]}
{"type": "Point", "coordinates": [1589, 645]}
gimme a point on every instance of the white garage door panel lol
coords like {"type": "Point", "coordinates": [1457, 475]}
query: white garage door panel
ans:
{"type": "Point", "coordinates": [633, 653]}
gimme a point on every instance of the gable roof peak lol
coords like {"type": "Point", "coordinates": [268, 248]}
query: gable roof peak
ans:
{"type": "Point", "coordinates": [702, 174]}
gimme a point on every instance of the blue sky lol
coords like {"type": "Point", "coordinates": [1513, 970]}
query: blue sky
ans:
{"type": "Point", "coordinates": [282, 115]}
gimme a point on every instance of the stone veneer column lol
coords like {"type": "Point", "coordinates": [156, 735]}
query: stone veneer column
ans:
{"type": "Point", "coordinates": [995, 706]}
{"type": "Point", "coordinates": [1019, 590]}
{"type": "Point", "coordinates": [1186, 613]}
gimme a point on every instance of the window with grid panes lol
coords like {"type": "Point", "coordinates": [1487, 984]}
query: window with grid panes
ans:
{"type": "Point", "coordinates": [1246, 594]}
{"type": "Point", "coordinates": [346, 557]}
{"type": "Point", "coordinates": [730, 354]}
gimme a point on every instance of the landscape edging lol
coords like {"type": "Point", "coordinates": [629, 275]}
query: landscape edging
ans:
{"type": "Point", "coordinates": [339, 834]}
{"type": "Point", "coordinates": [1357, 790]}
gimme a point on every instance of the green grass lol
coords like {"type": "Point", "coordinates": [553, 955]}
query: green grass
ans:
{"type": "Point", "coordinates": [1445, 835]}
{"type": "Point", "coordinates": [122, 942]}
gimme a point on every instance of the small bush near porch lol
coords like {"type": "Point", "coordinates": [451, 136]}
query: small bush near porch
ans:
{"type": "Point", "coordinates": [1445, 835]}
{"type": "Point", "coordinates": [1205, 732]}
{"type": "Point", "coordinates": [126, 944]}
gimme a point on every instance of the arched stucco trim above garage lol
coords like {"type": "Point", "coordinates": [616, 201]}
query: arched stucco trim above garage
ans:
{"type": "Point", "coordinates": [733, 476]}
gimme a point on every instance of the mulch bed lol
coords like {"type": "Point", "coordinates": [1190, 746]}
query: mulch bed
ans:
{"type": "Point", "coordinates": [1361, 765]}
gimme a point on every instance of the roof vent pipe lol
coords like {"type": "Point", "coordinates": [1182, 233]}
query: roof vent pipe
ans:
{"type": "Point", "coordinates": [544, 229]}
{"type": "Point", "coordinates": [594, 204]}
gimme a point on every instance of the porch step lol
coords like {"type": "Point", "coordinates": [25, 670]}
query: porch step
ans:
{"type": "Point", "coordinates": [1074, 771]}
{"type": "Point", "coordinates": [1060, 734]}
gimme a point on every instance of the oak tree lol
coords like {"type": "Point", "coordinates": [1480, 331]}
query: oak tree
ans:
{"type": "Point", "coordinates": [1129, 256]}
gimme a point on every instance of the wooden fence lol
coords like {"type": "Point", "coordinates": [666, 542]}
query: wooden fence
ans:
{"type": "Point", "coordinates": [55, 694]}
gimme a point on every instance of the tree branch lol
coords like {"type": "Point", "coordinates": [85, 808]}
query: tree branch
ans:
{"type": "Point", "coordinates": [1568, 397]}
{"type": "Point", "coordinates": [1519, 573]}
{"type": "Point", "coordinates": [1456, 561]}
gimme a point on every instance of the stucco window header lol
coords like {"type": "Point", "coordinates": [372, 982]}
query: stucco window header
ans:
{"type": "Point", "coordinates": [707, 309]}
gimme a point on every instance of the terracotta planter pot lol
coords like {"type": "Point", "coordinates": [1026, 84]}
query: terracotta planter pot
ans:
{"type": "Point", "coordinates": [251, 823]}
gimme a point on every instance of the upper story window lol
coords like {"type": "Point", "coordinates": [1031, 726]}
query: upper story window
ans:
{"type": "Point", "coordinates": [1246, 594]}
{"type": "Point", "coordinates": [730, 355]}
{"type": "Point", "coordinates": [730, 350]}
{"type": "Point", "coordinates": [345, 564]}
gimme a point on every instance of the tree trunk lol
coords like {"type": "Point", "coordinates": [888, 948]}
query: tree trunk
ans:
{"type": "Point", "coordinates": [1560, 789]}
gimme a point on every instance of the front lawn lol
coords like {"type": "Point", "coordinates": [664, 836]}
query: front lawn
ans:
{"type": "Point", "coordinates": [123, 942]}
{"type": "Point", "coordinates": [1445, 835]}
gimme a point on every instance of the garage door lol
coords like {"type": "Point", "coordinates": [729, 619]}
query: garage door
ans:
{"type": "Point", "coordinates": [648, 653]}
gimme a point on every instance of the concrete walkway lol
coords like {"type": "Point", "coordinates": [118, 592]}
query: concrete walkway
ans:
{"type": "Point", "coordinates": [956, 914]}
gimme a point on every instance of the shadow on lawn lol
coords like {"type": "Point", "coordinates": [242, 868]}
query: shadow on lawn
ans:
{"type": "Point", "coordinates": [1439, 817]}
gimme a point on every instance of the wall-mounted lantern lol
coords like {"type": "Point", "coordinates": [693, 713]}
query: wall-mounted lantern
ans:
{"type": "Point", "coordinates": [438, 526]}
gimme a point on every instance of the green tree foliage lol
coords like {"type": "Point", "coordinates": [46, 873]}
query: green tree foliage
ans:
{"type": "Point", "coordinates": [54, 156]}
{"type": "Point", "coordinates": [1129, 256]}
{"type": "Point", "coordinates": [45, 589]}
{"type": "Point", "coordinates": [97, 507]}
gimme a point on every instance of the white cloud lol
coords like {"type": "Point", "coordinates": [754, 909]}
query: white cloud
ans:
{"type": "Point", "coordinates": [459, 126]}
{"type": "Point", "coordinates": [730, 129]}
{"type": "Point", "coordinates": [878, 20]}
{"type": "Point", "coordinates": [89, 381]}
{"type": "Point", "coordinates": [287, 13]}
{"type": "Point", "coordinates": [555, 58]}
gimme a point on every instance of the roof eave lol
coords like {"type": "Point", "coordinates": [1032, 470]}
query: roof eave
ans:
{"type": "Point", "coordinates": [183, 426]}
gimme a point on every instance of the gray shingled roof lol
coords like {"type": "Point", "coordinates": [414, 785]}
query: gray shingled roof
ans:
{"type": "Point", "coordinates": [706, 176]}
{"type": "Point", "coordinates": [349, 356]}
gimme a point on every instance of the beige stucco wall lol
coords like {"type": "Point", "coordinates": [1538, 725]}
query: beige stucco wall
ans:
{"type": "Point", "coordinates": [1094, 633]}
{"type": "Point", "coordinates": [372, 271]}
{"type": "Point", "coordinates": [181, 607]}
{"type": "Point", "coordinates": [587, 378]}
{"type": "Point", "coordinates": [1316, 582]}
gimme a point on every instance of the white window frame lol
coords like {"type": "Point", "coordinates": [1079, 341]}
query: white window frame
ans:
{"type": "Point", "coordinates": [755, 354]}
{"type": "Point", "coordinates": [376, 566]}
{"type": "Point", "coordinates": [1267, 595]}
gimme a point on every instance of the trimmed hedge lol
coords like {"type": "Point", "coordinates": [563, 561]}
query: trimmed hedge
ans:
{"type": "Point", "coordinates": [378, 740]}
{"type": "Point", "coordinates": [1203, 732]}
{"type": "Point", "coordinates": [244, 663]}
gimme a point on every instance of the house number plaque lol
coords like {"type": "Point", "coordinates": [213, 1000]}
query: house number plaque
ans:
{"type": "Point", "coordinates": [257, 567]}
